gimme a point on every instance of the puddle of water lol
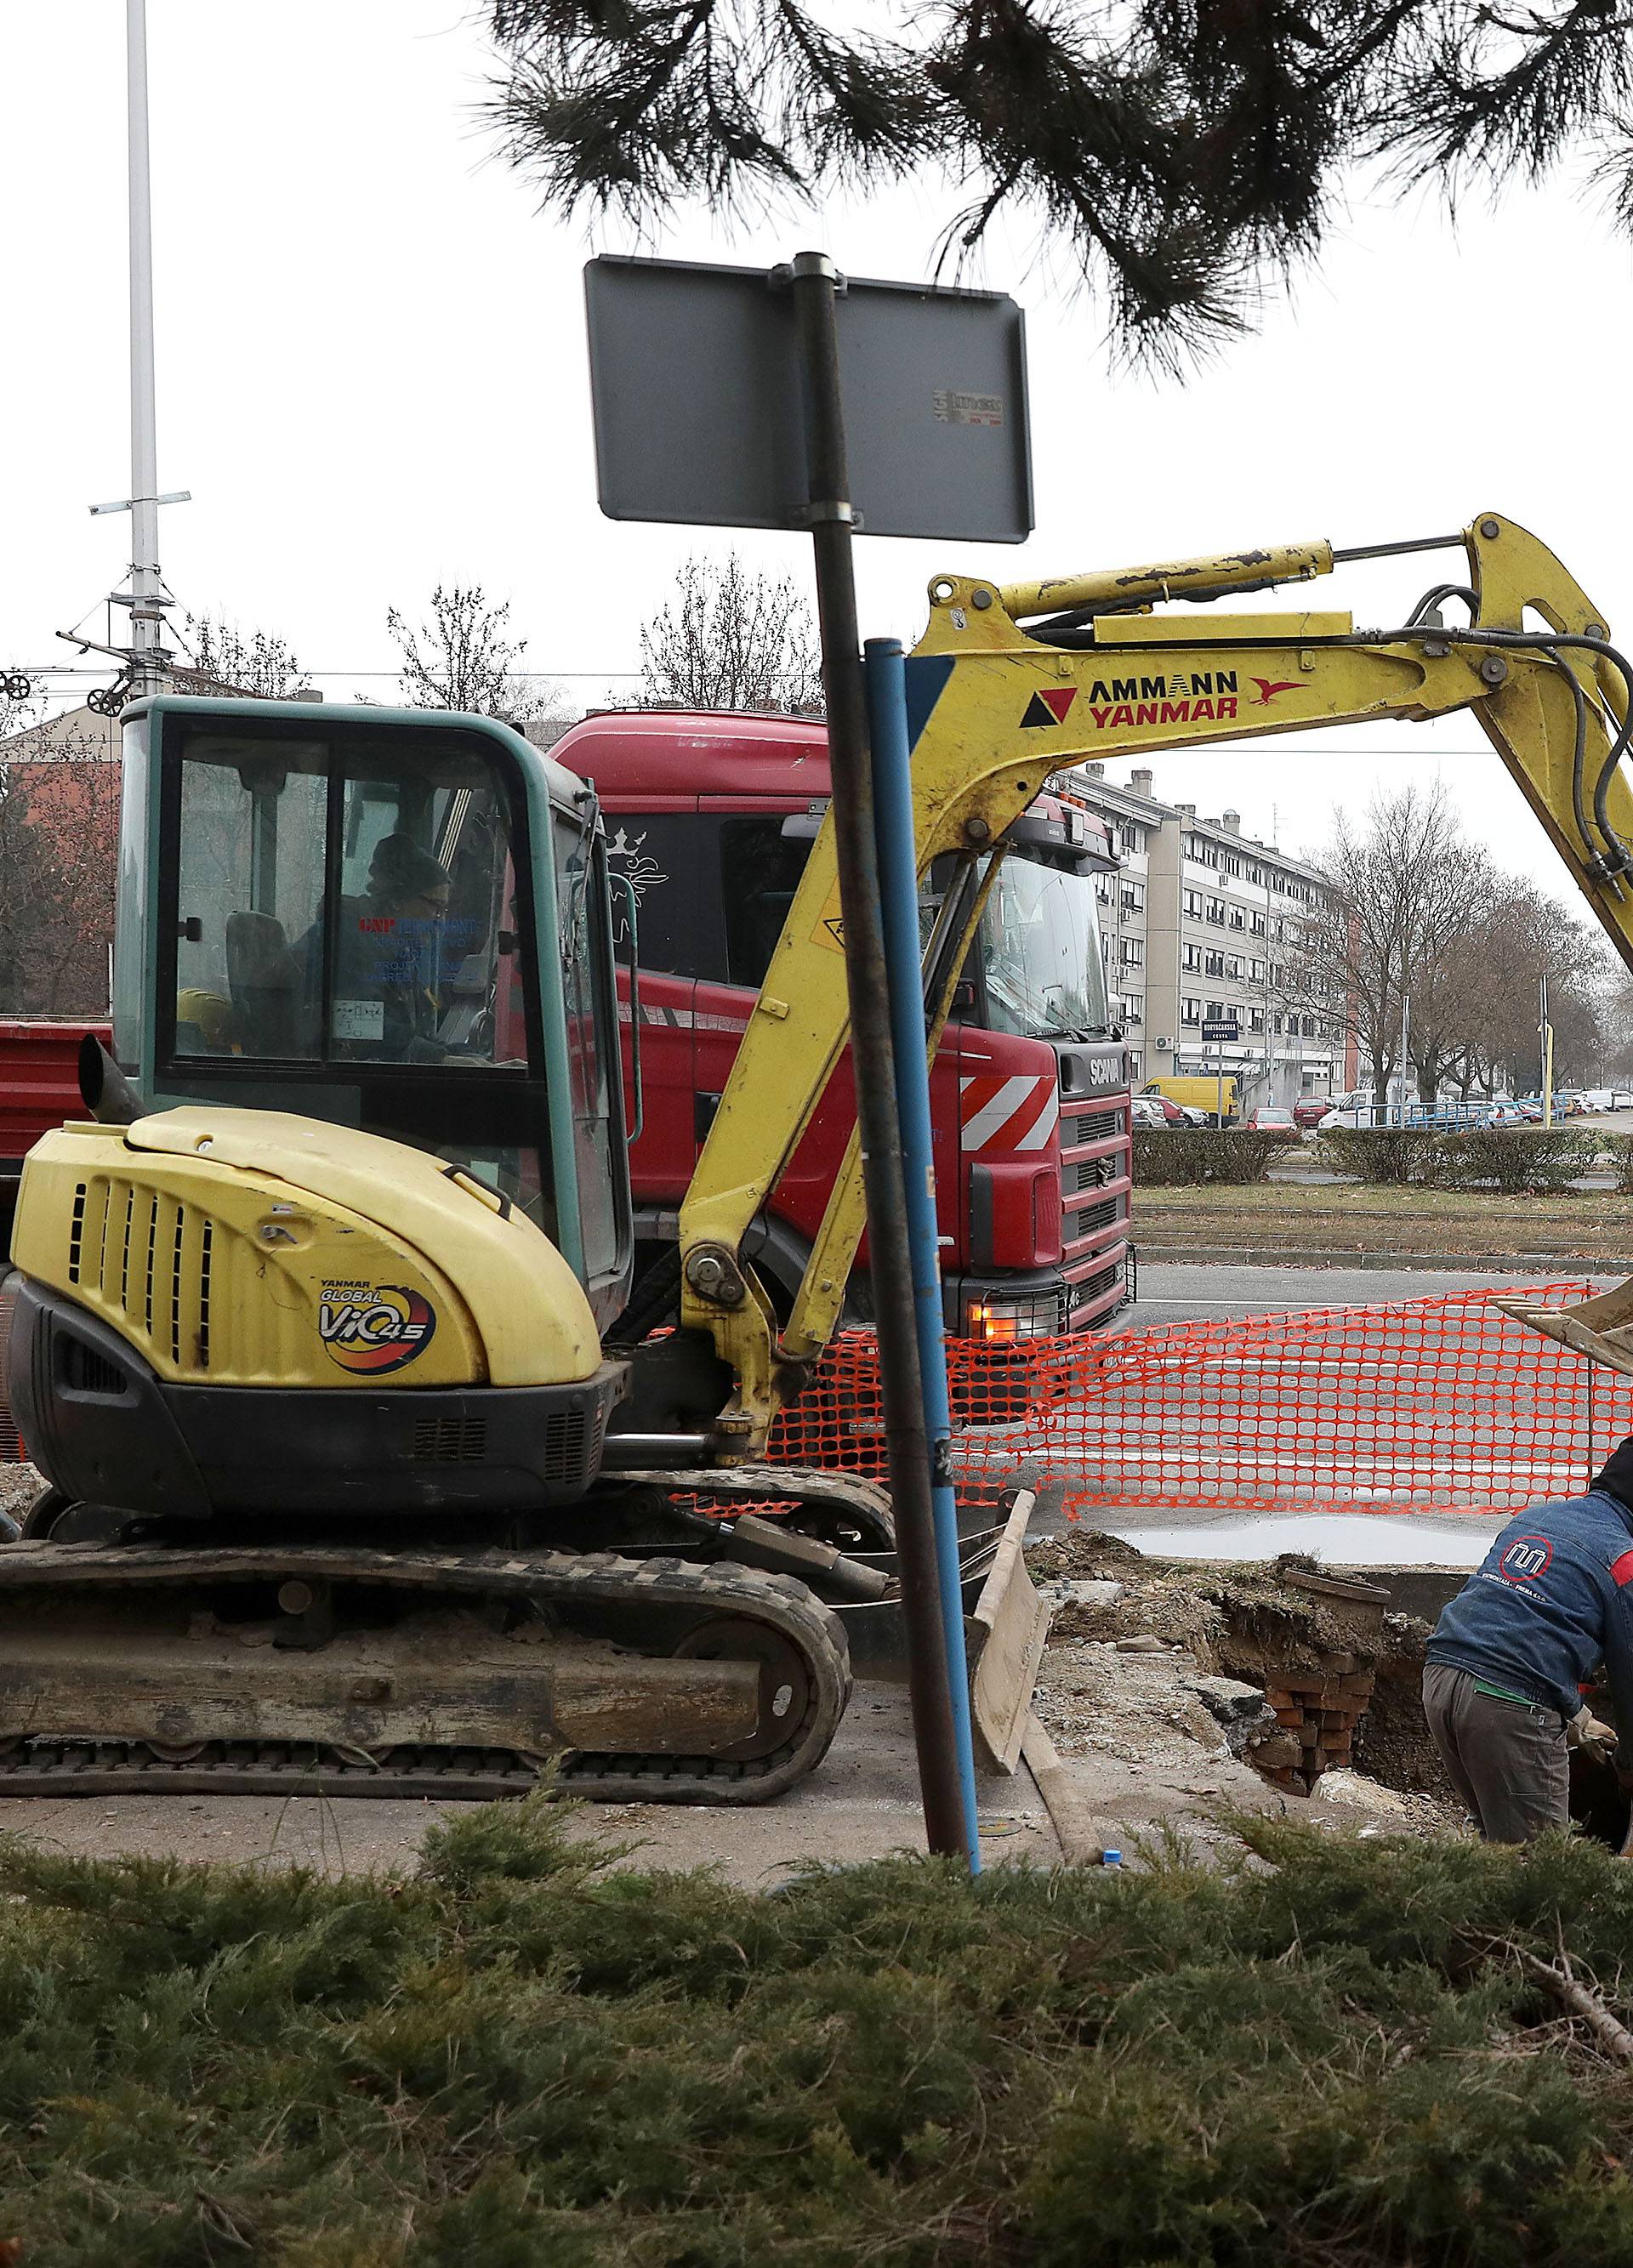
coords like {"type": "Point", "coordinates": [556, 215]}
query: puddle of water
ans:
{"type": "Point", "coordinates": [1340, 1539]}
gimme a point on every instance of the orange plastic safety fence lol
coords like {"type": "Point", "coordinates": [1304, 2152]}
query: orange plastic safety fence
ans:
{"type": "Point", "coordinates": [1423, 1405]}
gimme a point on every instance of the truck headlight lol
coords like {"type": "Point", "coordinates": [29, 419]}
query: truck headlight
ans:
{"type": "Point", "coordinates": [1031, 1315]}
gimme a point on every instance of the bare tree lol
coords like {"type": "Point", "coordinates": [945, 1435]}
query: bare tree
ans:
{"type": "Point", "coordinates": [1407, 887]}
{"type": "Point", "coordinates": [731, 640]}
{"type": "Point", "coordinates": [465, 657]}
{"type": "Point", "coordinates": [259, 665]}
{"type": "Point", "coordinates": [1520, 936]}
{"type": "Point", "coordinates": [59, 839]}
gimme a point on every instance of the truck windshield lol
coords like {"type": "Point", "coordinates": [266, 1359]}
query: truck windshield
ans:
{"type": "Point", "coordinates": [1039, 950]}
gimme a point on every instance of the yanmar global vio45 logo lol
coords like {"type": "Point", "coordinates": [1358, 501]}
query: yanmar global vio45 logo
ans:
{"type": "Point", "coordinates": [374, 1326]}
{"type": "Point", "coordinates": [1203, 696]}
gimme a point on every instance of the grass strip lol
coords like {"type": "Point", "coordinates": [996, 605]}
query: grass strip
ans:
{"type": "Point", "coordinates": [1381, 1219]}
{"type": "Point", "coordinates": [517, 2055]}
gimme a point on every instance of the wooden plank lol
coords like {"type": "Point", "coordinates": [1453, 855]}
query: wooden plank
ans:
{"type": "Point", "coordinates": [1012, 1622]}
{"type": "Point", "coordinates": [366, 1692]}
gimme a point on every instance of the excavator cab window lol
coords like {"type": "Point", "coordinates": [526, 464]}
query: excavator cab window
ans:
{"type": "Point", "coordinates": [342, 931]}
{"type": "Point", "coordinates": [382, 946]}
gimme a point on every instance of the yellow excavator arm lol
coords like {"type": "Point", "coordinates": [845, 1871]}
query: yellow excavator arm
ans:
{"type": "Point", "coordinates": [1119, 669]}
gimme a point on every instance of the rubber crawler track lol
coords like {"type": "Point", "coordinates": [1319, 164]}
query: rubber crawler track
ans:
{"type": "Point", "coordinates": [112, 1766]}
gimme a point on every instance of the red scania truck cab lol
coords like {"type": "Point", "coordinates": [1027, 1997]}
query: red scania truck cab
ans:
{"type": "Point", "coordinates": [712, 816]}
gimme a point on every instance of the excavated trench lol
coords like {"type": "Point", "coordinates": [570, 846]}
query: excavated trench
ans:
{"type": "Point", "coordinates": [1308, 1670]}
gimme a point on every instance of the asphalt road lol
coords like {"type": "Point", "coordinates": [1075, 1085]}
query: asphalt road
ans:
{"type": "Point", "coordinates": [1175, 1292]}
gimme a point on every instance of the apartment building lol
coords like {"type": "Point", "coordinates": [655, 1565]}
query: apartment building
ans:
{"type": "Point", "coordinates": [1204, 922]}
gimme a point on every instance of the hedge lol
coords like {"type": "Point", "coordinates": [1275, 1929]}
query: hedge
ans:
{"type": "Point", "coordinates": [1619, 1148]}
{"type": "Point", "coordinates": [1383, 1153]}
{"type": "Point", "coordinates": [1333, 2054]}
{"type": "Point", "coordinates": [1171, 1156]}
{"type": "Point", "coordinates": [1511, 1160]}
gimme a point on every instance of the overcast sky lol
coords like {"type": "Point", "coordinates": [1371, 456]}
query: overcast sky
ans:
{"type": "Point", "coordinates": [372, 377]}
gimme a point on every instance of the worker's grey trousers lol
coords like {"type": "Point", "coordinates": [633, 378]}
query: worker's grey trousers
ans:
{"type": "Point", "coordinates": [1507, 1759]}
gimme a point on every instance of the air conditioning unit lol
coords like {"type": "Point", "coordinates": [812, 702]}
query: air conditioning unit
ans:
{"type": "Point", "coordinates": [1163, 1047]}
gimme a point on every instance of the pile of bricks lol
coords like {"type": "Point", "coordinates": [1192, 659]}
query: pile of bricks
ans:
{"type": "Point", "coordinates": [1317, 1706]}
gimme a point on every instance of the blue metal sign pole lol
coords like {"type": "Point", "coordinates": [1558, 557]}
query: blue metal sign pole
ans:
{"type": "Point", "coordinates": [898, 892]}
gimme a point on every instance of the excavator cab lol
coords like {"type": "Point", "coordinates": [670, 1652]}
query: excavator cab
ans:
{"type": "Point", "coordinates": [395, 920]}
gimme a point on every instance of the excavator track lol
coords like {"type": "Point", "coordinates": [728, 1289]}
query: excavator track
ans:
{"type": "Point", "coordinates": [843, 1508]}
{"type": "Point", "coordinates": [36, 1578]}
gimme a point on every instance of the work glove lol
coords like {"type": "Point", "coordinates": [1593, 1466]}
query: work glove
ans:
{"type": "Point", "coordinates": [1586, 1731]}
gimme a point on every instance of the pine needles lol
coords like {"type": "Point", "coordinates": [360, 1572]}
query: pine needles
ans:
{"type": "Point", "coordinates": [519, 2056]}
{"type": "Point", "coordinates": [1181, 153]}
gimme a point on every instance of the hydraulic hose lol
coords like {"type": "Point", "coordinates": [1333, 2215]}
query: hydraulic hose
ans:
{"type": "Point", "coordinates": [1615, 857]}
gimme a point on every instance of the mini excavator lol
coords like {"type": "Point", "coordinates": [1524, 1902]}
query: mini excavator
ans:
{"type": "Point", "coordinates": [364, 1469]}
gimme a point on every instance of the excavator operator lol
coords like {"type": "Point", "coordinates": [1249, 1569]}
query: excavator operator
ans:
{"type": "Point", "coordinates": [388, 965]}
{"type": "Point", "coordinates": [1512, 1652]}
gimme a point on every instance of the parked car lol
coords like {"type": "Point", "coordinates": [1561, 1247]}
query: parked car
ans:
{"type": "Point", "coordinates": [1162, 1112]}
{"type": "Point", "coordinates": [1195, 1117]}
{"type": "Point", "coordinates": [1273, 1118]}
{"type": "Point", "coordinates": [1310, 1110]}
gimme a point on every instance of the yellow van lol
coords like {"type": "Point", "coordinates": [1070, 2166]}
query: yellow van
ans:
{"type": "Point", "coordinates": [1202, 1094]}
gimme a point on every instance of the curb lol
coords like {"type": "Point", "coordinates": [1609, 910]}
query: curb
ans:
{"type": "Point", "coordinates": [1458, 1263]}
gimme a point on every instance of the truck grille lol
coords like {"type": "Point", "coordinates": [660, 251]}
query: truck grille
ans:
{"type": "Point", "coordinates": [1091, 1126]}
{"type": "Point", "coordinates": [1094, 1287]}
{"type": "Point", "coordinates": [1092, 1173]}
{"type": "Point", "coordinates": [1103, 1215]}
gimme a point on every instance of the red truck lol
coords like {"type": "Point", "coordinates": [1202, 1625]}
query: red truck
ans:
{"type": "Point", "coordinates": [712, 816]}
{"type": "Point", "coordinates": [38, 1089]}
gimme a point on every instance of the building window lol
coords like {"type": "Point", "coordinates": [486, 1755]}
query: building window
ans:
{"type": "Point", "coordinates": [1133, 952]}
{"type": "Point", "coordinates": [1255, 1020]}
{"type": "Point", "coordinates": [1215, 1010]}
{"type": "Point", "coordinates": [1214, 965]}
{"type": "Point", "coordinates": [1309, 1027]}
{"type": "Point", "coordinates": [1103, 884]}
{"type": "Point", "coordinates": [1259, 925]}
{"type": "Point", "coordinates": [1133, 897]}
{"type": "Point", "coordinates": [1217, 912]}
{"type": "Point", "coordinates": [1133, 1012]}
{"type": "Point", "coordinates": [1130, 839]}
{"type": "Point", "coordinates": [1192, 900]}
{"type": "Point", "coordinates": [1190, 1012]}
{"type": "Point", "coordinates": [1239, 918]}
{"type": "Point", "coordinates": [1230, 864]}
{"type": "Point", "coordinates": [1191, 958]}
{"type": "Point", "coordinates": [1256, 972]}
{"type": "Point", "coordinates": [1233, 966]}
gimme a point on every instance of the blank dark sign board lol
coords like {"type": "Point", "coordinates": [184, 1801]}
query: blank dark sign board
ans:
{"type": "Point", "coordinates": [695, 383]}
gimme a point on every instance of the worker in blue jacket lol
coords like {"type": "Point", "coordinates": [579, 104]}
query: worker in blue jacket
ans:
{"type": "Point", "coordinates": [1551, 1601]}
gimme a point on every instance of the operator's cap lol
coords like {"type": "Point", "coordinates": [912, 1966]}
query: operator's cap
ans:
{"type": "Point", "coordinates": [400, 869]}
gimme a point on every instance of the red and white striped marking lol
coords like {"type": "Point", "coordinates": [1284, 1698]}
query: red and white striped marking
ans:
{"type": "Point", "coordinates": [1015, 1113]}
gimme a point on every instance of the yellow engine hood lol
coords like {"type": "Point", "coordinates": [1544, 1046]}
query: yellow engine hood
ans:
{"type": "Point", "coordinates": [256, 1246]}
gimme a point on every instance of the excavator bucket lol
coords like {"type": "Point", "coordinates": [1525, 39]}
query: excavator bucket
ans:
{"type": "Point", "coordinates": [1005, 1625]}
{"type": "Point", "coordinates": [1600, 1328]}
